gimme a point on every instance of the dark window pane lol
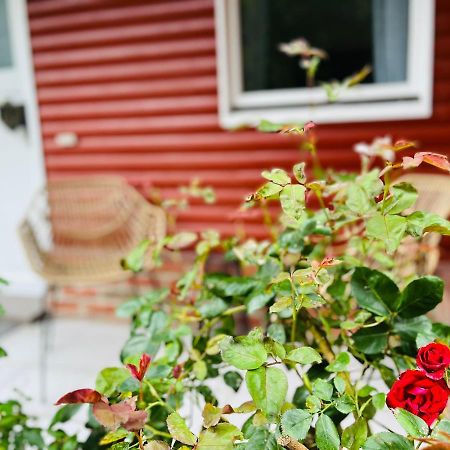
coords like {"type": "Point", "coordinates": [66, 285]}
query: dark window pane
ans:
{"type": "Point", "coordinates": [343, 28]}
{"type": "Point", "coordinates": [5, 46]}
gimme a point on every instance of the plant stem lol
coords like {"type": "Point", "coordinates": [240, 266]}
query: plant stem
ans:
{"type": "Point", "coordinates": [290, 444]}
{"type": "Point", "coordinates": [139, 438]}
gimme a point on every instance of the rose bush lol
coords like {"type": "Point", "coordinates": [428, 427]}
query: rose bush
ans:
{"type": "Point", "coordinates": [334, 314]}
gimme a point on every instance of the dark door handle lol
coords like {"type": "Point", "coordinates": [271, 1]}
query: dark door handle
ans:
{"type": "Point", "coordinates": [13, 116]}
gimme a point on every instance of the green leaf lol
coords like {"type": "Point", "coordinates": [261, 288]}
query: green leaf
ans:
{"type": "Point", "coordinates": [372, 340]}
{"type": "Point", "coordinates": [233, 379]}
{"type": "Point", "coordinates": [220, 437]}
{"type": "Point", "coordinates": [268, 388]}
{"type": "Point", "coordinates": [345, 404]}
{"type": "Point", "coordinates": [200, 370]}
{"type": "Point", "coordinates": [403, 196]}
{"type": "Point", "coordinates": [379, 400]}
{"type": "Point", "coordinates": [118, 446]}
{"type": "Point", "coordinates": [157, 445]}
{"type": "Point", "coordinates": [258, 301]}
{"type": "Point", "coordinates": [388, 229]}
{"type": "Point", "coordinates": [64, 414]}
{"type": "Point", "coordinates": [327, 437]}
{"type": "Point", "coordinates": [179, 430]}
{"type": "Point", "coordinates": [357, 199]}
{"type": "Point", "coordinates": [135, 259]}
{"type": "Point", "coordinates": [34, 437]}
{"type": "Point", "coordinates": [212, 307]}
{"type": "Point", "coordinates": [278, 176]}
{"type": "Point", "coordinates": [296, 423]}
{"type": "Point", "coordinates": [148, 339]}
{"type": "Point", "coordinates": [228, 286]}
{"type": "Point", "coordinates": [261, 439]}
{"type": "Point", "coordinates": [443, 426]}
{"type": "Point", "coordinates": [304, 355]}
{"type": "Point", "coordinates": [339, 384]}
{"type": "Point", "coordinates": [374, 291]}
{"type": "Point", "coordinates": [277, 333]}
{"type": "Point", "coordinates": [322, 389]}
{"type": "Point", "coordinates": [313, 404]}
{"type": "Point", "coordinates": [245, 355]}
{"type": "Point", "coordinates": [274, 348]}
{"type": "Point", "coordinates": [181, 240]}
{"type": "Point", "coordinates": [413, 425]}
{"type": "Point", "coordinates": [299, 172]}
{"type": "Point", "coordinates": [269, 127]}
{"type": "Point", "coordinates": [269, 190]}
{"type": "Point", "coordinates": [420, 296]}
{"type": "Point", "coordinates": [387, 441]}
{"type": "Point", "coordinates": [114, 436]}
{"type": "Point", "coordinates": [354, 436]}
{"type": "Point", "coordinates": [340, 363]}
{"type": "Point", "coordinates": [281, 304]}
{"type": "Point", "coordinates": [420, 222]}
{"type": "Point", "coordinates": [292, 199]}
{"type": "Point", "coordinates": [109, 379]}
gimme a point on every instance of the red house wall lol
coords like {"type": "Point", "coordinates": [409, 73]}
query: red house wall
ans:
{"type": "Point", "coordinates": [135, 80]}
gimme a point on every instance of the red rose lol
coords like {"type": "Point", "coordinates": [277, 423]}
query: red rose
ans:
{"type": "Point", "coordinates": [419, 395]}
{"type": "Point", "coordinates": [434, 359]}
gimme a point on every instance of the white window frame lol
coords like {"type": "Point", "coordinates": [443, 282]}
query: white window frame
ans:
{"type": "Point", "coordinates": [411, 99]}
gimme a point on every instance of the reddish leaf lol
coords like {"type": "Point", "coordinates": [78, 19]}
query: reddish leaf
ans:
{"type": "Point", "coordinates": [81, 396]}
{"type": "Point", "coordinates": [136, 421]}
{"type": "Point", "coordinates": [120, 414]}
{"type": "Point", "coordinates": [435, 159]}
{"type": "Point", "coordinates": [144, 362]}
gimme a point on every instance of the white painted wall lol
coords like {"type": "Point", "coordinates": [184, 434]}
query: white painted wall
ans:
{"type": "Point", "coordinates": [21, 161]}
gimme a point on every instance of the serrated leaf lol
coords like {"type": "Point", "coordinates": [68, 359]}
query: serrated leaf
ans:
{"type": "Point", "coordinates": [304, 355]}
{"type": "Point", "coordinates": [292, 199]}
{"type": "Point", "coordinates": [114, 436]}
{"type": "Point", "coordinates": [281, 304]}
{"type": "Point", "coordinates": [403, 196]}
{"type": "Point", "coordinates": [277, 333]}
{"type": "Point", "coordinates": [413, 425]}
{"type": "Point", "coordinates": [340, 363]}
{"type": "Point", "coordinates": [268, 388]}
{"type": "Point", "coordinates": [374, 291]}
{"type": "Point", "coordinates": [388, 229]}
{"type": "Point", "coordinates": [220, 437]}
{"type": "Point", "coordinates": [322, 389]}
{"type": "Point", "coordinates": [269, 190]}
{"type": "Point", "coordinates": [245, 355]}
{"type": "Point", "coordinates": [278, 176]}
{"type": "Point", "coordinates": [299, 172]}
{"type": "Point", "coordinates": [135, 259]}
{"type": "Point", "coordinates": [379, 400]}
{"type": "Point", "coordinates": [372, 340]}
{"type": "Point", "coordinates": [179, 430]}
{"type": "Point", "coordinates": [387, 441]}
{"type": "Point", "coordinates": [296, 423]}
{"type": "Point", "coordinates": [421, 296]}
{"type": "Point", "coordinates": [313, 404]}
{"type": "Point", "coordinates": [355, 435]}
{"type": "Point", "coordinates": [327, 437]}
{"type": "Point", "coordinates": [156, 445]}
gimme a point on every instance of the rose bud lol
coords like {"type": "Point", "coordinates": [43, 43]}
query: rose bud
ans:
{"type": "Point", "coordinates": [434, 359]}
{"type": "Point", "coordinates": [420, 395]}
{"type": "Point", "coordinates": [176, 372]}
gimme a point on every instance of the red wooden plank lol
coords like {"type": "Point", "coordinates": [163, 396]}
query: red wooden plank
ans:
{"type": "Point", "coordinates": [180, 67]}
{"type": "Point", "coordinates": [127, 33]}
{"type": "Point", "coordinates": [116, 15]}
{"type": "Point", "coordinates": [198, 84]}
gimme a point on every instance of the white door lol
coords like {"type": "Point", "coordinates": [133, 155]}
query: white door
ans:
{"type": "Point", "coordinates": [21, 165]}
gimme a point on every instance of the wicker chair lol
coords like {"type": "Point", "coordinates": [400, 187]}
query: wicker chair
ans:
{"type": "Point", "coordinates": [434, 196]}
{"type": "Point", "coordinates": [78, 230]}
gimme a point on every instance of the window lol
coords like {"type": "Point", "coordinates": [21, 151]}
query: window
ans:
{"type": "Point", "coordinates": [5, 46]}
{"type": "Point", "coordinates": [258, 81]}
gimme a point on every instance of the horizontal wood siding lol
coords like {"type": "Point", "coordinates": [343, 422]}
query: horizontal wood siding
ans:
{"type": "Point", "coordinates": [135, 80]}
